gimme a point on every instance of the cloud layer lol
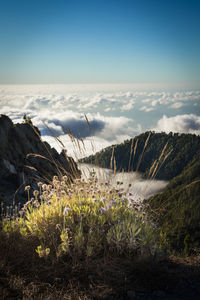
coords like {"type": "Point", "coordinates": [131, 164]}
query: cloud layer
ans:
{"type": "Point", "coordinates": [115, 112]}
{"type": "Point", "coordinates": [181, 123]}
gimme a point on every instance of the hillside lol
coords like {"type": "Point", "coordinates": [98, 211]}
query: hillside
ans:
{"type": "Point", "coordinates": [173, 157]}
{"type": "Point", "coordinates": [26, 159]}
{"type": "Point", "coordinates": [159, 155]}
{"type": "Point", "coordinates": [178, 207]}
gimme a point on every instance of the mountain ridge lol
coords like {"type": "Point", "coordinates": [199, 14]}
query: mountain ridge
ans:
{"type": "Point", "coordinates": [26, 159]}
{"type": "Point", "coordinates": [176, 210]}
{"type": "Point", "coordinates": [141, 152]}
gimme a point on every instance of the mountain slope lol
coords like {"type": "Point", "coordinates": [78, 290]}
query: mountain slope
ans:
{"type": "Point", "coordinates": [174, 157]}
{"type": "Point", "coordinates": [17, 142]}
{"type": "Point", "coordinates": [178, 207]}
{"type": "Point", "coordinates": [167, 154]}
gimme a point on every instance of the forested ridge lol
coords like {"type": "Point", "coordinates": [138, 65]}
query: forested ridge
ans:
{"type": "Point", "coordinates": [144, 151]}
{"type": "Point", "coordinates": [178, 207]}
{"type": "Point", "coordinates": [173, 157]}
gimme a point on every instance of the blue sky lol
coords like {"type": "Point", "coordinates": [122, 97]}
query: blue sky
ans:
{"type": "Point", "coordinates": [100, 41]}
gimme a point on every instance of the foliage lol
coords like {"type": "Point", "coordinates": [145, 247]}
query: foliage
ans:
{"type": "Point", "coordinates": [159, 155]}
{"type": "Point", "coordinates": [83, 220]}
{"type": "Point", "coordinates": [172, 157]}
{"type": "Point", "coordinates": [178, 208]}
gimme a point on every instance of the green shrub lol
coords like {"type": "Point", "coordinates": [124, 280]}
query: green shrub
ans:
{"type": "Point", "coordinates": [82, 220]}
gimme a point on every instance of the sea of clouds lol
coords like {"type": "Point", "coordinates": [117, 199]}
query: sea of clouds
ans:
{"type": "Point", "coordinates": [132, 182]}
{"type": "Point", "coordinates": [115, 112]}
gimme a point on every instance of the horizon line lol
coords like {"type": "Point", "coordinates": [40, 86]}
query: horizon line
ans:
{"type": "Point", "coordinates": [195, 85]}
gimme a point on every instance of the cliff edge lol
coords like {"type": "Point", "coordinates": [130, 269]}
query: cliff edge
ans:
{"type": "Point", "coordinates": [22, 162]}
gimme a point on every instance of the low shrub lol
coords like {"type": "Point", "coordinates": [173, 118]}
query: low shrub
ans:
{"type": "Point", "coordinates": [83, 220]}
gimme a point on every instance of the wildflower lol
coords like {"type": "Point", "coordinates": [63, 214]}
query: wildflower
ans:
{"type": "Point", "coordinates": [109, 205]}
{"type": "Point", "coordinates": [63, 193]}
{"type": "Point", "coordinates": [45, 194]}
{"type": "Point", "coordinates": [113, 201]}
{"type": "Point", "coordinates": [64, 178]}
{"type": "Point", "coordinates": [103, 209]}
{"type": "Point", "coordinates": [35, 193]}
{"type": "Point", "coordinates": [51, 195]}
{"type": "Point", "coordinates": [27, 188]}
{"type": "Point", "coordinates": [36, 203]}
{"type": "Point", "coordinates": [103, 199]}
{"type": "Point", "coordinates": [39, 184]}
{"type": "Point", "coordinates": [55, 178]}
{"type": "Point", "coordinates": [49, 187]}
{"type": "Point", "coordinates": [66, 211]}
{"type": "Point", "coordinates": [56, 182]}
{"type": "Point", "coordinates": [154, 225]}
{"type": "Point", "coordinates": [44, 187]}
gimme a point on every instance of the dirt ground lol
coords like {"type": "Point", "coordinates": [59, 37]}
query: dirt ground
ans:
{"type": "Point", "coordinates": [170, 278]}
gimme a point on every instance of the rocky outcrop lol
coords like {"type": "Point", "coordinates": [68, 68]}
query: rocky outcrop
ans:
{"type": "Point", "coordinates": [25, 159]}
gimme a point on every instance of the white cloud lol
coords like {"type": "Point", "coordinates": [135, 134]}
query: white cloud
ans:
{"type": "Point", "coordinates": [166, 98]}
{"type": "Point", "coordinates": [117, 127]}
{"type": "Point", "coordinates": [176, 105]}
{"type": "Point", "coordinates": [146, 109]}
{"type": "Point", "coordinates": [107, 109]}
{"type": "Point", "coordinates": [181, 123]}
{"type": "Point", "coordinates": [154, 102]}
{"type": "Point", "coordinates": [146, 100]}
{"type": "Point", "coordinates": [127, 106]}
{"type": "Point", "coordinates": [60, 108]}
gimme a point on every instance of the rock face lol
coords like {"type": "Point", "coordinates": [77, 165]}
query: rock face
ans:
{"type": "Point", "coordinates": [25, 159]}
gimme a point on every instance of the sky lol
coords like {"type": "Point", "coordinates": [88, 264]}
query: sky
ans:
{"type": "Point", "coordinates": [130, 66]}
{"type": "Point", "coordinates": [97, 41]}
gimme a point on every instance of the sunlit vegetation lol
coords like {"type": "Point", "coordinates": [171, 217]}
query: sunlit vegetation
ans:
{"type": "Point", "coordinates": [82, 220]}
{"type": "Point", "coordinates": [71, 230]}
